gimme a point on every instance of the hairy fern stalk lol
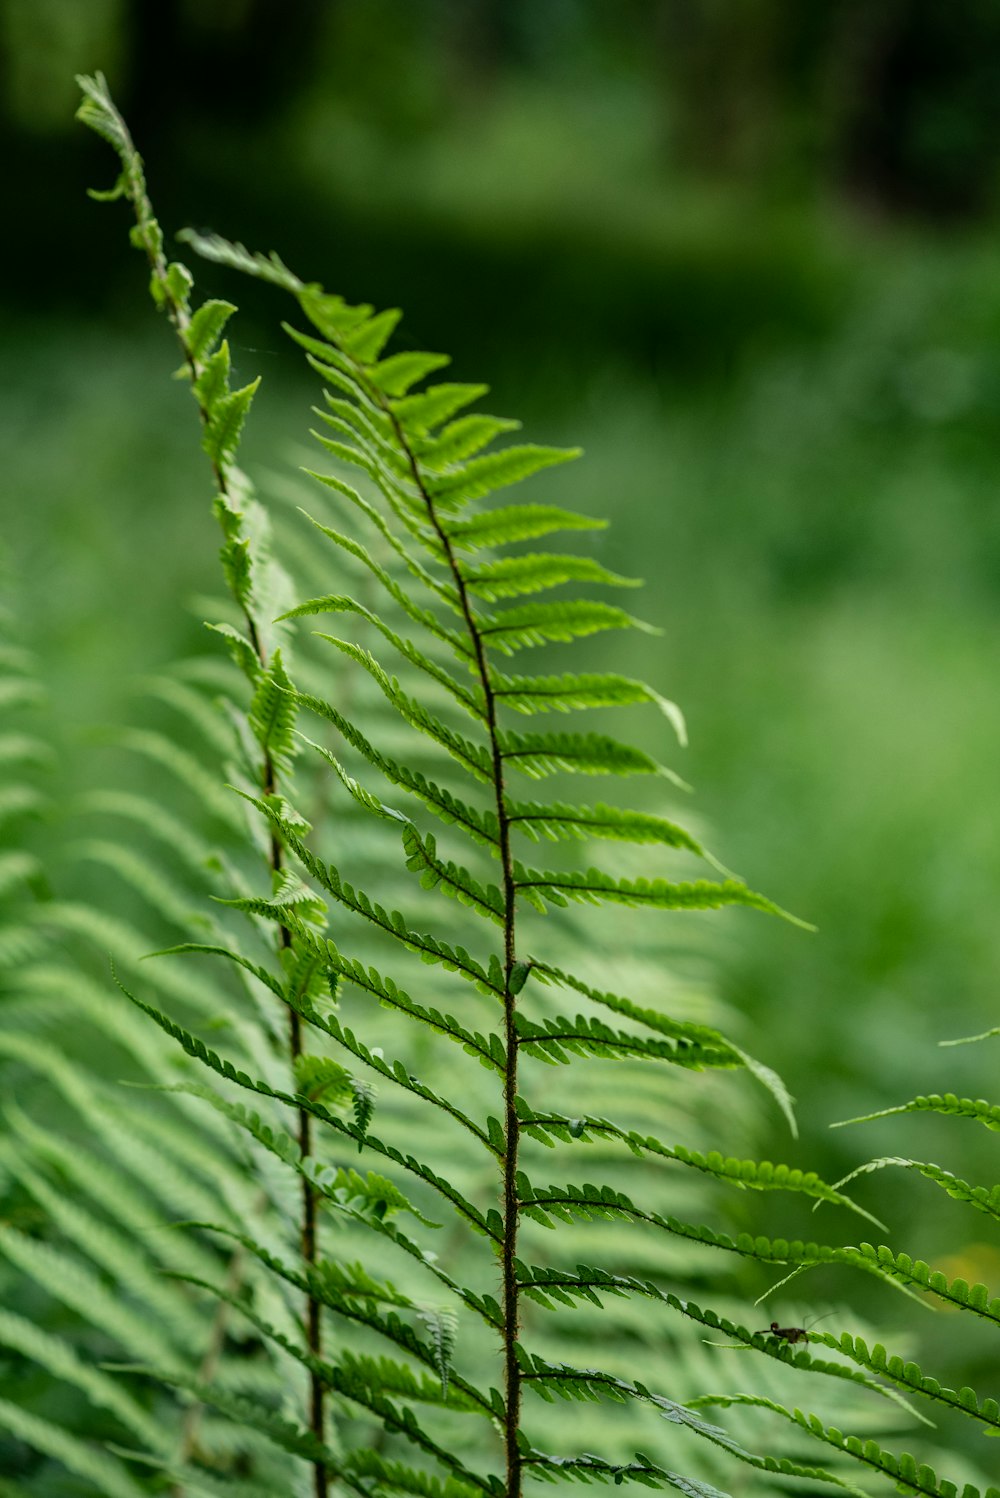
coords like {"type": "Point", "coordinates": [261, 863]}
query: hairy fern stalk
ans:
{"type": "Point", "coordinates": [433, 1374]}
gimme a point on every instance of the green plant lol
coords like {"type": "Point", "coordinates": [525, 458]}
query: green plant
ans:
{"type": "Point", "coordinates": [424, 470]}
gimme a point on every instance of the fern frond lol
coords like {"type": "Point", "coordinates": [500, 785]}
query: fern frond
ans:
{"type": "Point", "coordinates": [393, 1476]}
{"type": "Point", "coordinates": [567, 1382]}
{"type": "Point", "coordinates": [86, 1461]}
{"type": "Point", "coordinates": [437, 873]}
{"type": "Point", "coordinates": [72, 1281]}
{"type": "Point", "coordinates": [62, 1361]}
{"type": "Point", "coordinates": [396, 374]}
{"type": "Point", "coordinates": [489, 1049]}
{"type": "Point", "coordinates": [382, 1374]}
{"type": "Point", "coordinates": [334, 604]}
{"type": "Point", "coordinates": [461, 439]}
{"type": "Point", "coordinates": [509, 577]}
{"type": "Point", "coordinates": [946, 1103]}
{"type": "Point", "coordinates": [250, 1413]}
{"type": "Point", "coordinates": [539, 754]}
{"type": "Point", "coordinates": [758, 1175]}
{"type": "Point", "coordinates": [480, 825]}
{"type": "Point", "coordinates": [429, 948]}
{"type": "Point", "coordinates": [908, 1375]}
{"type": "Point", "coordinates": [397, 1072]}
{"type": "Point", "coordinates": [497, 470]}
{"type": "Point", "coordinates": [200, 1052]}
{"type": "Point", "coordinates": [558, 821]}
{"type": "Point", "coordinates": [532, 624]}
{"type": "Point", "coordinates": [271, 717]}
{"type": "Point", "coordinates": [653, 1019]}
{"type": "Point", "coordinates": [399, 594]}
{"type": "Point", "coordinates": [472, 757]}
{"type": "Point", "coordinates": [593, 886]}
{"type": "Point", "coordinates": [261, 973]}
{"type": "Point", "coordinates": [548, 694]}
{"type": "Point", "coordinates": [908, 1475]}
{"type": "Point", "coordinates": [984, 1199]}
{"type": "Point", "coordinates": [556, 1041]}
{"type": "Point", "coordinates": [418, 414]}
{"type": "Point", "coordinates": [502, 527]}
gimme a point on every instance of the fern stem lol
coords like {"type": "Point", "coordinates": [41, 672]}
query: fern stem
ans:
{"type": "Point", "coordinates": [508, 1246]}
{"type": "Point", "coordinates": [180, 319]}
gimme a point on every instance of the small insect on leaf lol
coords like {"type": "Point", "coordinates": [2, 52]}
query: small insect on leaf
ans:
{"type": "Point", "coordinates": [791, 1334]}
{"type": "Point", "coordinates": [786, 1333]}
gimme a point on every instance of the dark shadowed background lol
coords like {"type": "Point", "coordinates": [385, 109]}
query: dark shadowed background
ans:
{"type": "Point", "coordinates": [747, 255]}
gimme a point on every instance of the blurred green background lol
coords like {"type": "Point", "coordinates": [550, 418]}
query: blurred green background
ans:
{"type": "Point", "coordinates": [747, 254]}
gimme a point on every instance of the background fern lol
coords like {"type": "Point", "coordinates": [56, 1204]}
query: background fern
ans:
{"type": "Point", "coordinates": [437, 1327]}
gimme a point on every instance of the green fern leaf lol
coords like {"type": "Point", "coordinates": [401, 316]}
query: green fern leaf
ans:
{"type": "Point", "coordinates": [472, 757]}
{"type": "Point", "coordinates": [986, 1200]}
{"type": "Point", "coordinates": [227, 415]}
{"type": "Point", "coordinates": [489, 1049]}
{"type": "Point", "coordinates": [262, 974]}
{"type": "Point", "coordinates": [437, 873]}
{"type": "Point", "coordinates": [548, 694]}
{"type": "Point", "coordinates": [442, 1325]}
{"type": "Point", "coordinates": [86, 1461]}
{"type": "Point", "coordinates": [393, 1072]}
{"type": "Point", "coordinates": [558, 821]}
{"type": "Point", "coordinates": [322, 1080]}
{"type": "Point", "coordinates": [497, 470]}
{"type": "Point", "coordinates": [593, 886]}
{"type": "Point", "coordinates": [395, 375]}
{"type": "Point", "coordinates": [205, 328]}
{"type": "Point", "coordinates": [531, 571]}
{"type": "Point", "coordinates": [542, 623]}
{"type": "Point", "coordinates": [947, 1103]}
{"type": "Point", "coordinates": [539, 754]}
{"type": "Point", "coordinates": [418, 414]}
{"type": "Point", "coordinates": [363, 1104]}
{"type": "Point", "coordinates": [272, 714]}
{"type": "Point", "coordinates": [197, 1049]}
{"type": "Point", "coordinates": [501, 527]}
{"type": "Point", "coordinates": [399, 594]}
{"type": "Point", "coordinates": [61, 1360]}
{"type": "Point", "coordinates": [336, 604]}
{"type": "Point", "coordinates": [558, 1040]}
{"type": "Point", "coordinates": [429, 948]}
{"type": "Point", "coordinates": [480, 825]}
{"type": "Point", "coordinates": [461, 439]}
{"type": "Point", "coordinates": [405, 553]}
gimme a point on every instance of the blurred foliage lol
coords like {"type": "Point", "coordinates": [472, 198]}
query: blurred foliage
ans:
{"type": "Point", "coordinates": [755, 246]}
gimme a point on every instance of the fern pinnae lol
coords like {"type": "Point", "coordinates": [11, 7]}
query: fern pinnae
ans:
{"type": "Point", "coordinates": [231, 1073]}
{"type": "Point", "coordinates": [481, 826]}
{"type": "Point", "coordinates": [471, 756]}
{"type": "Point", "coordinates": [947, 1104]}
{"type": "Point", "coordinates": [82, 1458]}
{"type": "Point", "coordinates": [406, 648]}
{"type": "Point", "coordinates": [413, 564]}
{"type": "Point", "coordinates": [984, 1199]}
